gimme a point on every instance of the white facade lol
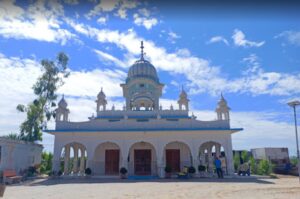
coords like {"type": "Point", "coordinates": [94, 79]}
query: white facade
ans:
{"type": "Point", "coordinates": [275, 155]}
{"type": "Point", "coordinates": [142, 137]}
{"type": "Point", "coordinates": [18, 155]}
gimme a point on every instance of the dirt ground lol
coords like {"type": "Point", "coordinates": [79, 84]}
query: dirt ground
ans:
{"type": "Point", "coordinates": [237, 188]}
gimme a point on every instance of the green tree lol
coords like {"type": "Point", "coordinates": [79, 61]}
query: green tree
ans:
{"type": "Point", "coordinates": [46, 164]}
{"type": "Point", "coordinates": [13, 136]}
{"type": "Point", "coordinates": [264, 167]}
{"type": "Point", "coordinates": [42, 108]}
{"type": "Point", "coordinates": [236, 161]}
{"type": "Point", "coordinates": [294, 160]}
{"type": "Point", "coordinates": [253, 166]}
{"type": "Point", "coordinates": [245, 156]}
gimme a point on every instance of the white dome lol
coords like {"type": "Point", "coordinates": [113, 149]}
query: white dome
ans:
{"type": "Point", "coordinates": [142, 68]}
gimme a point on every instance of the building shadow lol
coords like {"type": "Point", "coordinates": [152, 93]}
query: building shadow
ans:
{"type": "Point", "coordinates": [57, 181]}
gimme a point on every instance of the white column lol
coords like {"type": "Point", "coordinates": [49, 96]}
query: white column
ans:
{"type": "Point", "coordinates": [160, 161]}
{"type": "Point", "coordinates": [75, 159]}
{"type": "Point", "coordinates": [56, 156]}
{"type": "Point", "coordinates": [82, 158]}
{"type": "Point", "coordinates": [66, 159]}
{"type": "Point", "coordinates": [210, 159]}
{"type": "Point", "coordinates": [195, 152]}
{"type": "Point", "coordinates": [229, 157]}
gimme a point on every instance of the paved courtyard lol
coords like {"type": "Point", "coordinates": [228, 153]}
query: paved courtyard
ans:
{"type": "Point", "coordinates": [266, 188]}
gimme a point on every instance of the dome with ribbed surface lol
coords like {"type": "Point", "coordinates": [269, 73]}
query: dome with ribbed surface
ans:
{"type": "Point", "coordinates": [142, 68]}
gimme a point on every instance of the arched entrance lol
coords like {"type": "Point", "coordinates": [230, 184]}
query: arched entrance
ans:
{"type": "Point", "coordinates": [177, 155]}
{"type": "Point", "coordinates": [106, 159]}
{"type": "Point", "coordinates": [73, 158]}
{"type": "Point", "coordinates": [208, 152]}
{"type": "Point", "coordinates": [142, 159]}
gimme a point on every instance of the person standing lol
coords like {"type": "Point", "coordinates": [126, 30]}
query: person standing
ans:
{"type": "Point", "coordinates": [218, 165]}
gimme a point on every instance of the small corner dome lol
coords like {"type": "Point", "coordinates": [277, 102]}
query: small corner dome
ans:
{"type": "Point", "coordinates": [101, 95]}
{"type": "Point", "coordinates": [142, 68]}
{"type": "Point", "coordinates": [62, 103]}
{"type": "Point", "coordinates": [183, 94]}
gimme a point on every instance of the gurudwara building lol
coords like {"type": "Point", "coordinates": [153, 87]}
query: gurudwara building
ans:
{"type": "Point", "coordinates": [143, 137]}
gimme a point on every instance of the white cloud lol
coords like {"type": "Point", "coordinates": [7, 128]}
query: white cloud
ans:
{"type": "Point", "coordinates": [217, 39]}
{"type": "Point", "coordinates": [108, 58]}
{"type": "Point", "coordinates": [261, 129]}
{"type": "Point", "coordinates": [102, 20]}
{"type": "Point", "coordinates": [122, 6]}
{"type": "Point", "coordinates": [293, 37]}
{"type": "Point", "coordinates": [37, 22]}
{"type": "Point", "coordinates": [239, 39]}
{"type": "Point", "coordinates": [148, 23]}
{"type": "Point", "coordinates": [172, 37]}
{"type": "Point", "coordinates": [18, 75]}
{"type": "Point", "coordinates": [71, 2]}
{"type": "Point", "coordinates": [201, 75]}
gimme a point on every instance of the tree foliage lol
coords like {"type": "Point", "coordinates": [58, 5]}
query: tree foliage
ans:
{"type": "Point", "coordinates": [264, 167]}
{"type": "Point", "coordinates": [41, 109]}
{"type": "Point", "coordinates": [13, 136]}
{"type": "Point", "coordinates": [294, 160]}
{"type": "Point", "coordinates": [46, 164]}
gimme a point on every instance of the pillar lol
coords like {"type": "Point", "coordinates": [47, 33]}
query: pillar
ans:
{"type": "Point", "coordinates": [82, 159]}
{"type": "Point", "coordinates": [66, 159]}
{"type": "Point", "coordinates": [56, 157]}
{"type": "Point", "coordinates": [229, 157]}
{"type": "Point", "coordinates": [160, 161]}
{"type": "Point", "coordinates": [210, 159]}
{"type": "Point", "coordinates": [75, 159]}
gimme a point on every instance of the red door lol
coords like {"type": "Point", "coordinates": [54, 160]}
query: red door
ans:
{"type": "Point", "coordinates": [112, 157]}
{"type": "Point", "coordinates": [173, 159]}
{"type": "Point", "coordinates": [142, 162]}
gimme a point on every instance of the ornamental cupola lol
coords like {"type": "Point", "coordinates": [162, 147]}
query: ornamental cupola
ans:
{"type": "Point", "coordinates": [101, 101]}
{"type": "Point", "coordinates": [183, 101]}
{"type": "Point", "coordinates": [222, 109]}
{"type": "Point", "coordinates": [62, 112]}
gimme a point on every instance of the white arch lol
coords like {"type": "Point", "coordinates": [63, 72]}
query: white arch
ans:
{"type": "Point", "coordinates": [98, 165]}
{"type": "Point", "coordinates": [140, 146]}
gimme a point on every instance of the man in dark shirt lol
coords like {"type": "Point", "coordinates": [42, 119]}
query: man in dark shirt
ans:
{"type": "Point", "coordinates": [218, 165]}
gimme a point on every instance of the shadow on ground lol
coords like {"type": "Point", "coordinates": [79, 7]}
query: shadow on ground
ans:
{"type": "Point", "coordinates": [57, 181]}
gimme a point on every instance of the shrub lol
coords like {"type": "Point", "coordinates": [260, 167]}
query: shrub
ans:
{"type": "Point", "coordinates": [46, 165]}
{"type": "Point", "coordinates": [264, 167]}
{"type": "Point", "coordinates": [123, 170]}
{"type": "Point", "coordinates": [168, 169]}
{"type": "Point", "coordinates": [59, 173]}
{"type": "Point", "coordinates": [253, 166]}
{"type": "Point", "coordinates": [201, 168]}
{"type": "Point", "coordinates": [88, 171]}
{"type": "Point", "coordinates": [192, 169]}
{"type": "Point", "coordinates": [294, 161]}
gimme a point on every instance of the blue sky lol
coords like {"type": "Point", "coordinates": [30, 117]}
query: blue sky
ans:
{"type": "Point", "coordinates": [250, 52]}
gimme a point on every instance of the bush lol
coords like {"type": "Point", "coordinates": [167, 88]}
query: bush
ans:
{"type": "Point", "coordinates": [88, 171]}
{"type": "Point", "coordinates": [201, 168]}
{"type": "Point", "coordinates": [123, 170]}
{"type": "Point", "coordinates": [294, 161]}
{"type": "Point", "coordinates": [46, 165]}
{"type": "Point", "coordinates": [264, 167]}
{"type": "Point", "coordinates": [31, 171]}
{"type": "Point", "coordinates": [168, 169]}
{"type": "Point", "coordinates": [253, 167]}
{"type": "Point", "coordinates": [192, 169]}
{"type": "Point", "coordinates": [59, 173]}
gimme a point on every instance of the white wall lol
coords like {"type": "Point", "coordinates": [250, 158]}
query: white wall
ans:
{"type": "Point", "coordinates": [18, 155]}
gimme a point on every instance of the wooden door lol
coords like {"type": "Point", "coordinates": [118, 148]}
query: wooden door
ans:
{"type": "Point", "coordinates": [112, 157]}
{"type": "Point", "coordinates": [173, 159]}
{"type": "Point", "coordinates": [142, 162]}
